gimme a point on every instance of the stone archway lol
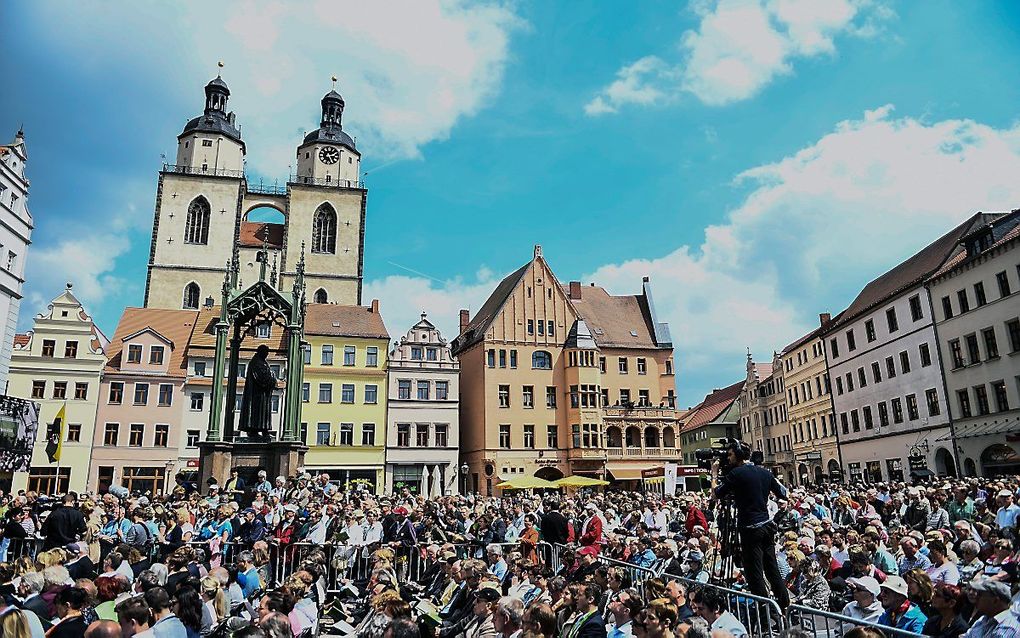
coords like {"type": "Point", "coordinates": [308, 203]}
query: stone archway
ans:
{"type": "Point", "coordinates": [969, 467]}
{"type": "Point", "coordinates": [944, 463]}
{"type": "Point", "coordinates": [835, 472]}
{"type": "Point", "coordinates": [999, 459]}
{"type": "Point", "coordinates": [819, 475]}
{"type": "Point", "coordinates": [802, 474]}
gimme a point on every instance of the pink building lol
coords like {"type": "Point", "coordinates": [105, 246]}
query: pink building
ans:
{"type": "Point", "coordinates": [141, 401]}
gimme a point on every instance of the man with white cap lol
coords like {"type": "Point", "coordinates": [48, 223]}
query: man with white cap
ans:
{"type": "Point", "coordinates": [591, 530]}
{"type": "Point", "coordinates": [899, 612]}
{"type": "Point", "coordinates": [1008, 510]}
{"type": "Point", "coordinates": [865, 605]}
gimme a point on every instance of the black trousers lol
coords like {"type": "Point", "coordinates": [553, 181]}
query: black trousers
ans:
{"type": "Point", "coordinates": [758, 549]}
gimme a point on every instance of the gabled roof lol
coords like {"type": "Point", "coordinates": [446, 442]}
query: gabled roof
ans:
{"type": "Point", "coordinates": [616, 321]}
{"type": "Point", "coordinates": [335, 320]}
{"type": "Point", "coordinates": [715, 404]}
{"type": "Point", "coordinates": [912, 271]}
{"type": "Point", "coordinates": [204, 335]}
{"type": "Point", "coordinates": [479, 325]}
{"type": "Point", "coordinates": [1005, 228]}
{"type": "Point", "coordinates": [149, 329]}
{"type": "Point", "coordinates": [174, 325]}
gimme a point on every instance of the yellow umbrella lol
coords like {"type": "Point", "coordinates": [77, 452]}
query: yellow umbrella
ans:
{"type": "Point", "coordinates": [579, 481]}
{"type": "Point", "coordinates": [527, 483]}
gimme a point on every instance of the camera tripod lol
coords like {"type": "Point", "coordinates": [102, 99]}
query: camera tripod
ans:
{"type": "Point", "coordinates": [729, 542]}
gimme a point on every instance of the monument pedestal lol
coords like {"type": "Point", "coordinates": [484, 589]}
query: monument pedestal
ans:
{"type": "Point", "coordinates": [277, 458]}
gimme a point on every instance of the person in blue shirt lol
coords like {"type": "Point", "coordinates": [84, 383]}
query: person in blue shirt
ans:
{"type": "Point", "coordinates": [247, 574]}
{"type": "Point", "coordinates": [644, 557]}
{"type": "Point", "coordinates": [899, 612]}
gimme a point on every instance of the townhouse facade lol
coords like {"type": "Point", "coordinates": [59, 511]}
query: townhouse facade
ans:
{"type": "Point", "coordinates": [139, 417]}
{"type": "Point", "coordinates": [977, 320]}
{"type": "Point", "coordinates": [559, 380]}
{"type": "Point", "coordinates": [58, 364]}
{"type": "Point", "coordinates": [717, 416]}
{"type": "Point", "coordinates": [423, 413]}
{"type": "Point", "coordinates": [763, 415]}
{"type": "Point", "coordinates": [344, 394]}
{"type": "Point", "coordinates": [889, 400]}
{"type": "Point", "coordinates": [812, 423]}
{"type": "Point", "coordinates": [16, 227]}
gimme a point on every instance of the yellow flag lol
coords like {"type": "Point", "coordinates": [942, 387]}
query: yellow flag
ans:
{"type": "Point", "coordinates": [56, 443]}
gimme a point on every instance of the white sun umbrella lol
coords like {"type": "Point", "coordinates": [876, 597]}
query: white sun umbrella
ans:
{"type": "Point", "coordinates": [437, 483]}
{"type": "Point", "coordinates": [423, 489]}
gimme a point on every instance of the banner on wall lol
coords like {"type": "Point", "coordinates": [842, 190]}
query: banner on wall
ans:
{"type": "Point", "coordinates": [19, 423]}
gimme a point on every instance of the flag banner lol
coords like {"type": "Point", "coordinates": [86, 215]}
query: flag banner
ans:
{"type": "Point", "coordinates": [19, 423]}
{"type": "Point", "coordinates": [55, 436]}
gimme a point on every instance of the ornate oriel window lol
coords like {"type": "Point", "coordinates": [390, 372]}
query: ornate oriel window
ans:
{"type": "Point", "coordinates": [192, 294]}
{"type": "Point", "coordinates": [196, 230]}
{"type": "Point", "coordinates": [324, 230]}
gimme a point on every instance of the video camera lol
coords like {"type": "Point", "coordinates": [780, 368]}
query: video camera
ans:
{"type": "Point", "coordinates": [719, 450]}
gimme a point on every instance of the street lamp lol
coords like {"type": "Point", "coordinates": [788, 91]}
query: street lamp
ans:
{"type": "Point", "coordinates": [463, 479]}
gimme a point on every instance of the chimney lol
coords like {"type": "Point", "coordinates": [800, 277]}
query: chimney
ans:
{"type": "Point", "coordinates": [824, 318]}
{"type": "Point", "coordinates": [575, 290]}
{"type": "Point", "coordinates": [375, 306]}
{"type": "Point", "coordinates": [465, 319]}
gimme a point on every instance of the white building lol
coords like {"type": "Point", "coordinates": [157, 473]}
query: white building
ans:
{"type": "Point", "coordinates": [888, 394]}
{"type": "Point", "coordinates": [422, 421]}
{"type": "Point", "coordinates": [977, 319]}
{"type": "Point", "coordinates": [15, 235]}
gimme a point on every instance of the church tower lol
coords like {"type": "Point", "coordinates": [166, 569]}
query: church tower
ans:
{"type": "Point", "coordinates": [203, 202]}
{"type": "Point", "coordinates": [197, 214]}
{"type": "Point", "coordinates": [327, 211]}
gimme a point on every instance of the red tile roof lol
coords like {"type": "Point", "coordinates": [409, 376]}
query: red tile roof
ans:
{"type": "Point", "coordinates": [174, 325]}
{"type": "Point", "coordinates": [962, 256]}
{"type": "Point", "coordinates": [714, 405]}
{"type": "Point", "coordinates": [251, 234]}
{"type": "Point", "coordinates": [335, 320]}
{"type": "Point", "coordinates": [615, 321]}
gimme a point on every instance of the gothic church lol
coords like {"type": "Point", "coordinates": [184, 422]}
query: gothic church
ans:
{"type": "Point", "coordinates": [204, 199]}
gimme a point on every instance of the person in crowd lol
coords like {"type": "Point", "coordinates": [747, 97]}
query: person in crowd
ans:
{"type": "Point", "coordinates": [624, 608]}
{"type": "Point", "coordinates": [947, 619]}
{"type": "Point", "coordinates": [899, 612]}
{"type": "Point", "coordinates": [709, 604]}
{"type": "Point", "coordinates": [865, 604]}
{"type": "Point", "coordinates": [991, 605]}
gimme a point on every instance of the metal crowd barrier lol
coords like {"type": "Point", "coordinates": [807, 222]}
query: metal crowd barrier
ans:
{"type": "Point", "coordinates": [828, 624]}
{"type": "Point", "coordinates": [760, 616]}
{"type": "Point", "coordinates": [638, 575]}
{"type": "Point", "coordinates": [21, 548]}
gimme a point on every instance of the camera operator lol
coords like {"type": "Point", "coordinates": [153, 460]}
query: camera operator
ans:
{"type": "Point", "coordinates": [750, 486]}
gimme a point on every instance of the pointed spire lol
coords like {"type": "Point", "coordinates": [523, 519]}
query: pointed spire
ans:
{"type": "Point", "coordinates": [272, 274]}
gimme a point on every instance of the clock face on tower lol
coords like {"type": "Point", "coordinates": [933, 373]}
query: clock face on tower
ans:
{"type": "Point", "coordinates": [329, 155]}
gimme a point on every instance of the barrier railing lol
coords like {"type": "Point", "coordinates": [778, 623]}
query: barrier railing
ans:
{"type": "Point", "coordinates": [828, 624]}
{"type": "Point", "coordinates": [759, 615]}
{"type": "Point", "coordinates": [14, 548]}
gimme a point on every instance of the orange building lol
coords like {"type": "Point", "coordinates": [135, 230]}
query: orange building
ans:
{"type": "Point", "coordinates": [559, 380]}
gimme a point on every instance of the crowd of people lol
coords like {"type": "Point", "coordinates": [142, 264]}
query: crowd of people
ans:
{"type": "Point", "coordinates": [303, 556]}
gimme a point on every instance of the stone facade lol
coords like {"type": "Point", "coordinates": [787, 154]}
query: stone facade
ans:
{"type": "Point", "coordinates": [58, 364]}
{"type": "Point", "coordinates": [15, 235]}
{"type": "Point", "coordinates": [977, 320]}
{"type": "Point", "coordinates": [423, 420]}
{"type": "Point", "coordinates": [204, 202]}
{"type": "Point", "coordinates": [554, 377]}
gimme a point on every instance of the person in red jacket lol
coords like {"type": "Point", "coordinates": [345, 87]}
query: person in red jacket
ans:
{"type": "Point", "coordinates": [695, 517]}
{"type": "Point", "coordinates": [591, 531]}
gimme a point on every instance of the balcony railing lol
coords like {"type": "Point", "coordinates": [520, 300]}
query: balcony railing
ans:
{"type": "Point", "coordinates": [784, 457]}
{"type": "Point", "coordinates": [266, 189]}
{"type": "Point", "coordinates": [638, 410]}
{"type": "Point", "coordinates": [618, 452]}
{"type": "Point", "coordinates": [318, 181]}
{"type": "Point", "coordinates": [181, 169]}
{"type": "Point", "coordinates": [586, 453]}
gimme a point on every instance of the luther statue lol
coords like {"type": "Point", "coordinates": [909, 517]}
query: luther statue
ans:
{"type": "Point", "coordinates": [256, 402]}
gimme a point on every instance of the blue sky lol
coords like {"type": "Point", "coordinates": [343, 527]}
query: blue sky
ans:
{"type": "Point", "coordinates": [760, 160]}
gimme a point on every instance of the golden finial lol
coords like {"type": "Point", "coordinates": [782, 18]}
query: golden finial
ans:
{"type": "Point", "coordinates": [334, 82]}
{"type": "Point", "coordinates": [220, 66]}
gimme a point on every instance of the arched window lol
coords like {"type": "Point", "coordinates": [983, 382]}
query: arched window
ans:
{"type": "Point", "coordinates": [192, 296]}
{"type": "Point", "coordinates": [633, 437]}
{"type": "Point", "coordinates": [651, 437]}
{"type": "Point", "coordinates": [321, 296]}
{"type": "Point", "coordinates": [324, 230]}
{"type": "Point", "coordinates": [196, 230]}
{"type": "Point", "coordinates": [668, 437]}
{"type": "Point", "coordinates": [614, 438]}
{"type": "Point", "coordinates": [541, 360]}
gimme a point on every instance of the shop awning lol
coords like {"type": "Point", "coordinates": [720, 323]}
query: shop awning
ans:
{"type": "Point", "coordinates": [922, 473]}
{"type": "Point", "coordinates": [579, 481]}
{"type": "Point", "coordinates": [625, 473]}
{"type": "Point", "coordinates": [527, 483]}
{"type": "Point", "coordinates": [996, 426]}
{"type": "Point", "coordinates": [655, 479]}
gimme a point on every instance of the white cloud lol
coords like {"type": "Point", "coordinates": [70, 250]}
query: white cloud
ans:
{"type": "Point", "coordinates": [409, 69]}
{"type": "Point", "coordinates": [813, 229]}
{"type": "Point", "coordinates": [402, 299]}
{"type": "Point", "coordinates": [739, 47]}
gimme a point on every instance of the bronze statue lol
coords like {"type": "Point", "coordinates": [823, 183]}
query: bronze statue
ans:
{"type": "Point", "coordinates": [256, 402]}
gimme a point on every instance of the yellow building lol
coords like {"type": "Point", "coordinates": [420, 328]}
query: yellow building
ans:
{"type": "Point", "coordinates": [808, 400]}
{"type": "Point", "coordinates": [561, 380]}
{"type": "Point", "coordinates": [57, 364]}
{"type": "Point", "coordinates": [343, 415]}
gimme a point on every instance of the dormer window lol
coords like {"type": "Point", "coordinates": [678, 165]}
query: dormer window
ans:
{"type": "Point", "coordinates": [156, 355]}
{"type": "Point", "coordinates": [134, 353]}
{"type": "Point", "coordinates": [262, 331]}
